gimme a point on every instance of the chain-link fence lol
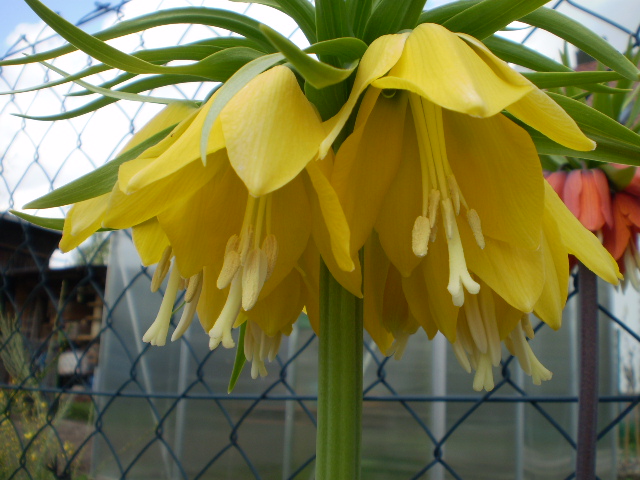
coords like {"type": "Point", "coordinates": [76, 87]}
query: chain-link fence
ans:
{"type": "Point", "coordinates": [82, 397]}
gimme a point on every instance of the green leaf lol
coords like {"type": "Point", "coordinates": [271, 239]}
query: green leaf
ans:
{"type": "Point", "coordinates": [301, 11]}
{"type": "Point", "coordinates": [391, 16]}
{"type": "Point", "coordinates": [346, 48]}
{"type": "Point", "coordinates": [240, 360]}
{"type": "Point", "coordinates": [145, 84]}
{"type": "Point", "coordinates": [519, 54]}
{"type": "Point", "coordinates": [359, 12]}
{"type": "Point", "coordinates": [232, 86]}
{"type": "Point", "coordinates": [443, 13]}
{"type": "Point", "coordinates": [50, 223]}
{"type": "Point", "coordinates": [97, 182]}
{"type": "Point", "coordinates": [606, 151]}
{"type": "Point", "coordinates": [332, 20]}
{"type": "Point", "coordinates": [596, 125]}
{"type": "Point", "coordinates": [583, 38]}
{"type": "Point", "coordinates": [563, 79]}
{"type": "Point", "coordinates": [619, 177]}
{"type": "Point", "coordinates": [494, 15]}
{"type": "Point", "coordinates": [225, 19]}
{"type": "Point", "coordinates": [119, 95]}
{"type": "Point", "coordinates": [317, 73]}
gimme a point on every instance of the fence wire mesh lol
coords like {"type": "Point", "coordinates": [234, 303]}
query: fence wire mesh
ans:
{"type": "Point", "coordinates": [82, 397]}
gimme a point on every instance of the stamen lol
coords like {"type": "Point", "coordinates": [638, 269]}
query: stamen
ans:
{"type": "Point", "coordinates": [230, 267]}
{"type": "Point", "coordinates": [221, 331]}
{"type": "Point", "coordinates": [520, 345]}
{"type": "Point", "coordinates": [484, 374]}
{"type": "Point", "coordinates": [246, 242]}
{"type": "Point", "coordinates": [454, 191]}
{"type": "Point", "coordinates": [448, 217]}
{"type": "Point", "coordinates": [157, 332]}
{"type": "Point", "coordinates": [539, 373]}
{"type": "Point", "coordinates": [461, 355]}
{"type": "Point", "coordinates": [488, 313]}
{"type": "Point", "coordinates": [474, 222]}
{"type": "Point", "coordinates": [270, 248]}
{"type": "Point", "coordinates": [161, 269]}
{"type": "Point", "coordinates": [476, 326]}
{"type": "Point", "coordinates": [420, 236]}
{"type": "Point", "coordinates": [190, 308]}
{"type": "Point", "coordinates": [195, 285]}
{"type": "Point", "coordinates": [458, 273]}
{"type": "Point", "coordinates": [254, 274]}
{"type": "Point", "coordinates": [527, 327]}
{"type": "Point", "coordinates": [434, 201]}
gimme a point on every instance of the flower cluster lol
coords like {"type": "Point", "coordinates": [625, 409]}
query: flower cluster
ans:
{"type": "Point", "coordinates": [612, 213]}
{"type": "Point", "coordinates": [445, 194]}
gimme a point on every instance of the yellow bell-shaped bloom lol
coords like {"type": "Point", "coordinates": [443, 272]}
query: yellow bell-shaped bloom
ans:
{"type": "Point", "coordinates": [448, 182]}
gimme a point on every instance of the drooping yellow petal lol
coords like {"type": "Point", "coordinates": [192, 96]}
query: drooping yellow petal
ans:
{"type": "Point", "coordinates": [290, 222]}
{"type": "Point", "coordinates": [332, 215]}
{"type": "Point", "coordinates": [516, 274]}
{"type": "Point", "coordinates": [382, 54]}
{"type": "Point", "coordinates": [556, 284]}
{"type": "Point", "coordinates": [375, 277]}
{"type": "Point", "coordinates": [281, 307]}
{"type": "Point", "coordinates": [170, 115]}
{"type": "Point", "coordinates": [436, 64]}
{"type": "Point", "coordinates": [539, 111]}
{"type": "Point", "coordinates": [178, 150]}
{"type": "Point", "coordinates": [401, 206]}
{"type": "Point", "coordinates": [367, 163]}
{"type": "Point", "coordinates": [200, 225]}
{"type": "Point", "coordinates": [83, 220]}
{"type": "Point", "coordinates": [125, 211]}
{"type": "Point", "coordinates": [579, 241]}
{"type": "Point", "coordinates": [414, 288]}
{"type": "Point", "coordinates": [498, 171]}
{"type": "Point", "coordinates": [435, 269]}
{"type": "Point", "coordinates": [271, 131]}
{"type": "Point", "coordinates": [150, 241]}
{"type": "Point", "coordinates": [507, 316]}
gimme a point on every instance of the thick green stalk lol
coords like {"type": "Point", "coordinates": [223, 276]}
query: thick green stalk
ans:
{"type": "Point", "coordinates": [339, 382]}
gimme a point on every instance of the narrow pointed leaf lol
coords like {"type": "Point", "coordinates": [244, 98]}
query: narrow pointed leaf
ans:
{"type": "Point", "coordinates": [359, 12]}
{"type": "Point", "coordinates": [583, 38]}
{"type": "Point", "coordinates": [240, 360]}
{"type": "Point", "coordinates": [332, 20]}
{"type": "Point", "coordinates": [317, 73]}
{"type": "Point", "coordinates": [50, 223]}
{"type": "Point", "coordinates": [391, 16]}
{"type": "Point", "coordinates": [145, 84]}
{"type": "Point", "coordinates": [519, 54]}
{"type": "Point", "coordinates": [495, 15]}
{"type": "Point", "coordinates": [97, 182]}
{"type": "Point", "coordinates": [607, 150]}
{"type": "Point", "coordinates": [301, 11]}
{"type": "Point", "coordinates": [213, 17]}
{"type": "Point", "coordinates": [347, 48]}
{"type": "Point", "coordinates": [563, 79]}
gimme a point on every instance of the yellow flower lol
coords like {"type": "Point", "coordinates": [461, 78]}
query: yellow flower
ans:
{"type": "Point", "coordinates": [233, 231]}
{"type": "Point", "coordinates": [450, 185]}
{"type": "Point", "coordinates": [486, 319]}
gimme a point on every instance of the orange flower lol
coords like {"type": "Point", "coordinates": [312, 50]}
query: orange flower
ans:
{"type": "Point", "coordinates": [621, 238]}
{"type": "Point", "coordinates": [586, 194]}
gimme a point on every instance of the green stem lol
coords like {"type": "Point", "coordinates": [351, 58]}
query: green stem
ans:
{"type": "Point", "coordinates": [339, 382]}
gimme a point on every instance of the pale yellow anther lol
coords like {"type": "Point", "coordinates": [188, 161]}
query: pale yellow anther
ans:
{"type": "Point", "coordinates": [448, 218]}
{"type": "Point", "coordinates": [194, 286]}
{"type": "Point", "coordinates": [474, 222]}
{"type": "Point", "coordinates": [157, 332]}
{"type": "Point", "coordinates": [434, 202]}
{"type": "Point", "coordinates": [476, 325]}
{"type": "Point", "coordinates": [230, 267]}
{"type": "Point", "coordinates": [434, 233]}
{"type": "Point", "coordinates": [461, 355]}
{"type": "Point", "coordinates": [221, 331]}
{"type": "Point", "coordinates": [233, 244]}
{"type": "Point", "coordinates": [254, 274]}
{"type": "Point", "coordinates": [420, 236]}
{"type": "Point", "coordinates": [454, 192]}
{"type": "Point", "coordinates": [458, 274]}
{"type": "Point", "coordinates": [161, 269]}
{"type": "Point", "coordinates": [527, 327]}
{"type": "Point", "coordinates": [270, 248]}
{"type": "Point", "coordinates": [488, 313]}
{"type": "Point", "coordinates": [520, 349]}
